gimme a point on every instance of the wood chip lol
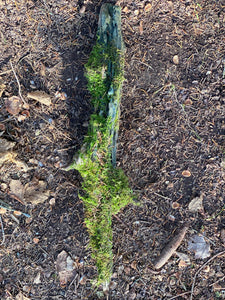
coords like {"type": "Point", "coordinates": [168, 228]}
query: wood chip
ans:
{"type": "Point", "coordinates": [141, 27]}
{"type": "Point", "coordinates": [40, 96]}
{"type": "Point", "coordinates": [148, 7]}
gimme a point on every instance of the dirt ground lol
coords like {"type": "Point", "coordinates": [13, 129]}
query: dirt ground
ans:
{"type": "Point", "coordinates": [171, 146]}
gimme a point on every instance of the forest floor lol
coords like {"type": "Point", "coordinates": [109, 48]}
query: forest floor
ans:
{"type": "Point", "coordinates": [171, 146]}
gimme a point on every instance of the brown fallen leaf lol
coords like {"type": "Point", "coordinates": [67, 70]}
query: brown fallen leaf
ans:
{"type": "Point", "coordinates": [36, 193]}
{"type": "Point", "coordinates": [170, 248]}
{"type": "Point", "coordinates": [13, 105]}
{"type": "Point", "coordinates": [40, 96]}
{"type": "Point", "coordinates": [16, 190]}
{"type": "Point", "coordinates": [65, 268]}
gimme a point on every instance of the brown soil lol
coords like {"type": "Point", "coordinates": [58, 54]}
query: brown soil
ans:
{"type": "Point", "coordinates": [172, 120]}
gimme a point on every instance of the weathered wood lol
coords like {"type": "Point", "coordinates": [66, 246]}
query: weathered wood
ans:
{"type": "Point", "coordinates": [110, 36]}
{"type": "Point", "coordinates": [106, 64]}
{"type": "Point", "coordinates": [106, 188]}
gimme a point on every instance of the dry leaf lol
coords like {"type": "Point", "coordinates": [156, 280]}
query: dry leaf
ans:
{"type": "Point", "coordinates": [198, 245]}
{"type": "Point", "coordinates": [196, 204]}
{"type": "Point", "coordinates": [20, 296]}
{"type": "Point", "coordinates": [40, 96]}
{"type": "Point", "coordinates": [65, 268]}
{"type": "Point", "coordinates": [17, 189]}
{"type": "Point", "coordinates": [6, 145]}
{"type": "Point", "coordinates": [36, 193]}
{"type": "Point", "coordinates": [13, 105]}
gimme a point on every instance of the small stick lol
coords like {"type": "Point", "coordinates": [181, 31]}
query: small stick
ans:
{"type": "Point", "coordinates": [19, 91]}
{"type": "Point", "coordinates": [170, 248]}
{"type": "Point", "coordinates": [3, 232]}
{"type": "Point", "coordinates": [183, 294]}
{"type": "Point", "coordinates": [199, 270]}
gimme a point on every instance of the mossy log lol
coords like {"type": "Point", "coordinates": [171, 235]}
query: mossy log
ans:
{"type": "Point", "coordinates": [106, 188]}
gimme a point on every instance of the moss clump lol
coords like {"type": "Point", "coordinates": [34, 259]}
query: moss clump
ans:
{"type": "Point", "coordinates": [106, 188]}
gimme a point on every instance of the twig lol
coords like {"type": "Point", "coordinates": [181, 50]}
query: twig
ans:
{"type": "Point", "coordinates": [6, 72]}
{"type": "Point", "coordinates": [170, 248]}
{"type": "Point", "coordinates": [164, 197]}
{"type": "Point", "coordinates": [183, 294]}
{"type": "Point", "coordinates": [19, 86]}
{"type": "Point", "coordinates": [3, 232]}
{"type": "Point", "coordinates": [199, 270]}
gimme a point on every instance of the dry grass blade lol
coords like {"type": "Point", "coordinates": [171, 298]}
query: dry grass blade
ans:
{"type": "Point", "coordinates": [19, 86]}
{"type": "Point", "coordinates": [170, 248]}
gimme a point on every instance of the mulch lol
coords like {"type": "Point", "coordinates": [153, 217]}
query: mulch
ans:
{"type": "Point", "coordinates": [171, 146]}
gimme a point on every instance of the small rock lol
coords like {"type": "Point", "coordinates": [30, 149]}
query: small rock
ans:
{"type": "Point", "coordinates": [176, 59]}
{"type": "Point", "coordinates": [52, 201]}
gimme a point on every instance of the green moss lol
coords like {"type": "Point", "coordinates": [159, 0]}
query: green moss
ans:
{"type": "Point", "coordinates": [106, 188]}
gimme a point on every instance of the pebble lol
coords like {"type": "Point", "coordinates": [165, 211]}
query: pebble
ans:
{"type": "Point", "coordinates": [176, 59]}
